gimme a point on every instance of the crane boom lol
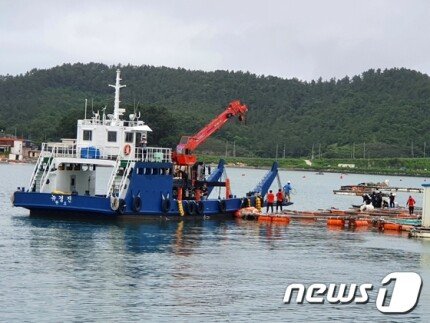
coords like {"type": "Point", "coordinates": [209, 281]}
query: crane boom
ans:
{"type": "Point", "coordinates": [188, 144]}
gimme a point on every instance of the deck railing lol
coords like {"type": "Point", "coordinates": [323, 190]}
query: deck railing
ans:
{"type": "Point", "coordinates": [153, 154]}
{"type": "Point", "coordinates": [148, 154]}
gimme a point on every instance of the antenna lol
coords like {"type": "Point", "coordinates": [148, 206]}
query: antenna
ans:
{"type": "Point", "coordinates": [86, 103]}
{"type": "Point", "coordinates": [104, 114]}
{"type": "Point", "coordinates": [117, 112]}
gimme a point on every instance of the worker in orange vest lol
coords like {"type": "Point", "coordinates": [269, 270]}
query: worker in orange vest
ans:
{"type": "Point", "coordinates": [279, 199]}
{"type": "Point", "coordinates": [411, 203]}
{"type": "Point", "coordinates": [270, 201]}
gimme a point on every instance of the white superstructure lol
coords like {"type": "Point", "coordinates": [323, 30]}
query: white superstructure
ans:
{"type": "Point", "coordinates": [102, 140]}
{"type": "Point", "coordinates": [110, 135]}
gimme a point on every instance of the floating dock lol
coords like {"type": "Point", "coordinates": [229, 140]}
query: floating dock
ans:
{"type": "Point", "coordinates": [393, 220]}
{"type": "Point", "coordinates": [359, 192]}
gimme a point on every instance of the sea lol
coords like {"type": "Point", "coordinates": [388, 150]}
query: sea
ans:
{"type": "Point", "coordinates": [55, 270]}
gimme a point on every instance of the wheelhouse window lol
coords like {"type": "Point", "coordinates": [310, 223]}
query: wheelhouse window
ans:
{"type": "Point", "coordinates": [87, 135]}
{"type": "Point", "coordinates": [111, 136]}
{"type": "Point", "coordinates": [128, 137]}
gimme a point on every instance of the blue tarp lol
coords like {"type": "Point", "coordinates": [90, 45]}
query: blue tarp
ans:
{"type": "Point", "coordinates": [90, 153]}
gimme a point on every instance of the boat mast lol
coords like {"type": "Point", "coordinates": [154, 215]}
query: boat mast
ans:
{"type": "Point", "coordinates": [117, 112]}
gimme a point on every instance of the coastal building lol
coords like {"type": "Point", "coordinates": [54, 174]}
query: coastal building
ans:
{"type": "Point", "coordinates": [18, 149]}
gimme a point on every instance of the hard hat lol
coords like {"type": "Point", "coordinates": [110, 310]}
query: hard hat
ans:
{"type": "Point", "coordinates": [289, 182]}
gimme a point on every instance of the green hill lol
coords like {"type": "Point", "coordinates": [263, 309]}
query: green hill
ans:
{"type": "Point", "coordinates": [375, 114]}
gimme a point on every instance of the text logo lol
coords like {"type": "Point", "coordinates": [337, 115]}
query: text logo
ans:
{"type": "Point", "coordinates": [406, 289]}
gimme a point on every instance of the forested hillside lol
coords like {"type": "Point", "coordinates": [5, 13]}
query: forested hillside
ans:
{"type": "Point", "coordinates": [376, 114]}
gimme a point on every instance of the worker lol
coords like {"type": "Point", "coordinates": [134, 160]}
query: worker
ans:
{"type": "Point", "coordinates": [270, 201]}
{"type": "Point", "coordinates": [392, 197]}
{"type": "Point", "coordinates": [366, 199]}
{"type": "Point", "coordinates": [287, 191]}
{"type": "Point", "coordinates": [279, 199]}
{"type": "Point", "coordinates": [411, 203]}
{"type": "Point", "coordinates": [143, 144]}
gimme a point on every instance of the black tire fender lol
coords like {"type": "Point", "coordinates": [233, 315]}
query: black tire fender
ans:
{"type": "Point", "coordinates": [192, 207]}
{"type": "Point", "coordinates": [122, 206]}
{"type": "Point", "coordinates": [200, 209]}
{"type": "Point", "coordinates": [186, 207]}
{"type": "Point", "coordinates": [165, 205]}
{"type": "Point", "coordinates": [137, 203]}
{"type": "Point", "coordinates": [244, 203]}
{"type": "Point", "coordinates": [222, 206]}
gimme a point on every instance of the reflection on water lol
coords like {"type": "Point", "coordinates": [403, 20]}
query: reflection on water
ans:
{"type": "Point", "coordinates": [211, 270]}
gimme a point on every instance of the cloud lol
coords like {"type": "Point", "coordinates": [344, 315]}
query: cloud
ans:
{"type": "Point", "coordinates": [304, 39]}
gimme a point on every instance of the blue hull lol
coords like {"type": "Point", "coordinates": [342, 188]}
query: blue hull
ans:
{"type": "Point", "coordinates": [51, 204]}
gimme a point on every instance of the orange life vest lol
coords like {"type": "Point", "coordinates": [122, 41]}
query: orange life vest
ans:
{"type": "Point", "coordinates": [270, 198]}
{"type": "Point", "coordinates": [411, 202]}
{"type": "Point", "coordinates": [279, 196]}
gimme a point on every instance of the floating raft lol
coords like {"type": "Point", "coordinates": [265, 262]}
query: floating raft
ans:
{"type": "Point", "coordinates": [390, 220]}
{"type": "Point", "coordinates": [367, 190]}
{"type": "Point", "coordinates": [324, 214]}
{"type": "Point", "coordinates": [274, 218]}
{"type": "Point", "coordinates": [419, 232]}
{"type": "Point", "coordinates": [252, 213]}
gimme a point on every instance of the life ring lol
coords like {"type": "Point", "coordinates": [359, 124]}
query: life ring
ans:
{"type": "Point", "coordinates": [114, 203]}
{"type": "Point", "coordinates": [121, 206]}
{"type": "Point", "coordinates": [192, 208]}
{"type": "Point", "coordinates": [165, 206]}
{"type": "Point", "coordinates": [137, 204]}
{"type": "Point", "coordinates": [127, 149]}
{"type": "Point", "coordinates": [200, 209]}
{"type": "Point", "coordinates": [222, 206]}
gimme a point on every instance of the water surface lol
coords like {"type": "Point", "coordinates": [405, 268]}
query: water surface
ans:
{"type": "Point", "coordinates": [64, 270]}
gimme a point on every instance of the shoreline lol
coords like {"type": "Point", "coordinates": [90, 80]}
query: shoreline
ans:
{"type": "Point", "coordinates": [334, 171]}
{"type": "Point", "coordinates": [242, 165]}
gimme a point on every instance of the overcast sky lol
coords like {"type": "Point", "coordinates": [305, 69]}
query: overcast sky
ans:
{"type": "Point", "coordinates": [303, 38]}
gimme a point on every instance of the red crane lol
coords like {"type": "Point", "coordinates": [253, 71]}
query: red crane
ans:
{"type": "Point", "coordinates": [184, 150]}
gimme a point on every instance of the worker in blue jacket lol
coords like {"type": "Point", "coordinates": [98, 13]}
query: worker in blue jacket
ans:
{"type": "Point", "coordinates": [287, 191]}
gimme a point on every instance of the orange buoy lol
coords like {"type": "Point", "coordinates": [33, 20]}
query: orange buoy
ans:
{"type": "Point", "coordinates": [281, 219]}
{"type": "Point", "coordinates": [360, 223]}
{"type": "Point", "coordinates": [392, 226]}
{"type": "Point", "coordinates": [407, 227]}
{"type": "Point", "coordinates": [264, 218]}
{"type": "Point", "coordinates": [336, 222]}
